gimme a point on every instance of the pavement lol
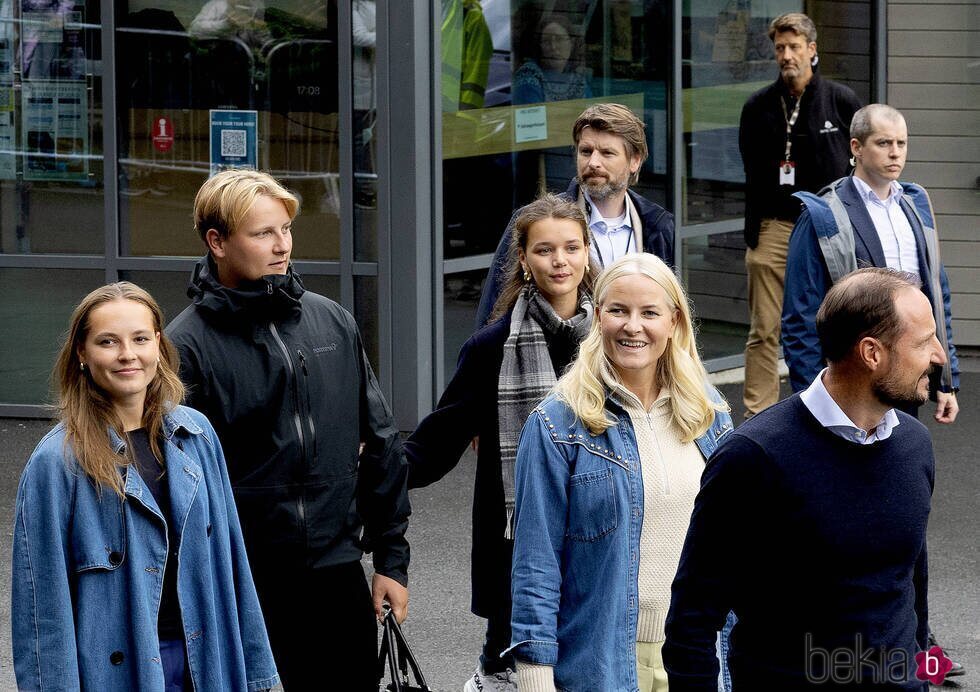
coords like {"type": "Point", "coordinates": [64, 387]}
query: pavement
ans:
{"type": "Point", "coordinates": [446, 638]}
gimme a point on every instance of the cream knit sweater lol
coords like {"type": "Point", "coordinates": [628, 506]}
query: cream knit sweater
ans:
{"type": "Point", "coordinates": [671, 472]}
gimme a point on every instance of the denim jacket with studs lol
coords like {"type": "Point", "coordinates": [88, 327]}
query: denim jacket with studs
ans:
{"type": "Point", "coordinates": [577, 545]}
{"type": "Point", "coordinates": [88, 572]}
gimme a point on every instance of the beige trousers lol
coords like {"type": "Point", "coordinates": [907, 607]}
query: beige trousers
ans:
{"type": "Point", "coordinates": [766, 267]}
{"type": "Point", "coordinates": [650, 673]}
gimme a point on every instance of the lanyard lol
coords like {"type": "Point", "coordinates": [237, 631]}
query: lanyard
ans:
{"type": "Point", "coordinates": [612, 248]}
{"type": "Point", "coordinates": [790, 122]}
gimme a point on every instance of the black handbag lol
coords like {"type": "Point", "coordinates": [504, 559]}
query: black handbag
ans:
{"type": "Point", "coordinates": [399, 658]}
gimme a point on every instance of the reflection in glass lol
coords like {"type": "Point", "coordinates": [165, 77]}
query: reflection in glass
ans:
{"type": "Point", "coordinates": [169, 289]}
{"type": "Point", "coordinates": [50, 127]}
{"type": "Point", "coordinates": [549, 61]}
{"type": "Point", "coordinates": [366, 316]}
{"type": "Point", "coordinates": [276, 62]}
{"type": "Point", "coordinates": [34, 311]}
{"type": "Point", "coordinates": [364, 41]}
{"type": "Point", "coordinates": [461, 295]}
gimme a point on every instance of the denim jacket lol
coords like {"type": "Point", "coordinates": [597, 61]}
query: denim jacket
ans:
{"type": "Point", "coordinates": [577, 543]}
{"type": "Point", "coordinates": [88, 572]}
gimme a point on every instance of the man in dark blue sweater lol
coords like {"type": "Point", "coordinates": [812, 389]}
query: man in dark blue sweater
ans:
{"type": "Point", "coordinates": [811, 520]}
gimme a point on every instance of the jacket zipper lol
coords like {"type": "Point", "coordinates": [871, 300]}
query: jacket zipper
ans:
{"type": "Point", "coordinates": [309, 409]}
{"type": "Point", "coordinates": [301, 501]}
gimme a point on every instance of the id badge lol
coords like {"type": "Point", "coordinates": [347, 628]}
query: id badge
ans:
{"type": "Point", "coordinates": [787, 173]}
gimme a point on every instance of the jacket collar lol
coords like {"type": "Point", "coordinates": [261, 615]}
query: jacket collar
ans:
{"type": "Point", "coordinates": [811, 86]}
{"type": "Point", "coordinates": [183, 472]}
{"type": "Point", "coordinates": [864, 229]}
{"type": "Point", "coordinates": [275, 296]}
{"type": "Point", "coordinates": [172, 422]}
{"type": "Point", "coordinates": [642, 205]}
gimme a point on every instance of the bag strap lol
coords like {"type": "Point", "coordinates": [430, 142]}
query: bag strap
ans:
{"type": "Point", "coordinates": [387, 656]}
{"type": "Point", "coordinates": [399, 655]}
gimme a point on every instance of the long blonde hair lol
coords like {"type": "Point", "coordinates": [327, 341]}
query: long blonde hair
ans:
{"type": "Point", "coordinates": [679, 370]}
{"type": "Point", "coordinates": [86, 409]}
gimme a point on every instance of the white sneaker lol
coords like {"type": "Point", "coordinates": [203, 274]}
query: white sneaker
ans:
{"type": "Point", "coordinates": [493, 682]}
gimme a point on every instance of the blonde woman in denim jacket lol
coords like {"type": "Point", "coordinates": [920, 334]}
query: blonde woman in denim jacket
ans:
{"type": "Point", "coordinates": [607, 471]}
{"type": "Point", "coordinates": [129, 571]}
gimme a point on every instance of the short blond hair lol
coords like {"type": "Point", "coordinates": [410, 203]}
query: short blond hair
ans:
{"type": "Point", "coordinates": [226, 198]}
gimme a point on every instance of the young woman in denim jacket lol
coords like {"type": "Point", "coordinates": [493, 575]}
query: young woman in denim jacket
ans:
{"type": "Point", "coordinates": [504, 370]}
{"type": "Point", "coordinates": [607, 471]}
{"type": "Point", "coordinates": [129, 571]}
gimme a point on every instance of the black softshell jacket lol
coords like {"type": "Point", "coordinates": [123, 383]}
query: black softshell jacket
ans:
{"type": "Point", "coordinates": [282, 376]}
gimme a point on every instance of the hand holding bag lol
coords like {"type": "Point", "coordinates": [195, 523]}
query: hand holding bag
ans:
{"type": "Point", "coordinates": [399, 657]}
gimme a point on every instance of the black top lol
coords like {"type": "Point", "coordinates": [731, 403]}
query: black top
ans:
{"type": "Point", "coordinates": [169, 624]}
{"type": "Point", "coordinates": [816, 543]}
{"type": "Point", "coordinates": [821, 148]}
{"type": "Point", "coordinates": [468, 409]}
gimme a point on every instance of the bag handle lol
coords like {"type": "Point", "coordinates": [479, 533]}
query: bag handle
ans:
{"type": "Point", "coordinates": [396, 651]}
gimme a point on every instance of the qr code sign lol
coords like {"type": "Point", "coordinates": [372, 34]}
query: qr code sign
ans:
{"type": "Point", "coordinates": [233, 143]}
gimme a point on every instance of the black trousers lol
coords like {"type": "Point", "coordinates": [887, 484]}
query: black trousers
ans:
{"type": "Point", "coordinates": [322, 627]}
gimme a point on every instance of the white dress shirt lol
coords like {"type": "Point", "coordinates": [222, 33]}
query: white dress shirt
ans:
{"type": "Point", "coordinates": [893, 227]}
{"type": "Point", "coordinates": [823, 407]}
{"type": "Point", "coordinates": [611, 238]}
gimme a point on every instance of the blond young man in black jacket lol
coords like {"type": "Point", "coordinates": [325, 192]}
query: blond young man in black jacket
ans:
{"type": "Point", "coordinates": [282, 375]}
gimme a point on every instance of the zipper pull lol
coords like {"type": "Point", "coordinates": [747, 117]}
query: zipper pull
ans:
{"type": "Point", "coordinates": [302, 362]}
{"type": "Point", "coordinates": [268, 288]}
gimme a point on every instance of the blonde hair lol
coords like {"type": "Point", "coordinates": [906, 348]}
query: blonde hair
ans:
{"type": "Point", "coordinates": [226, 198]}
{"type": "Point", "coordinates": [679, 370]}
{"type": "Point", "coordinates": [87, 410]}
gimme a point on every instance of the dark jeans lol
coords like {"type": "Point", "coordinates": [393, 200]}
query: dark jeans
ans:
{"type": "Point", "coordinates": [173, 659]}
{"type": "Point", "coordinates": [498, 639]}
{"type": "Point", "coordinates": [322, 627]}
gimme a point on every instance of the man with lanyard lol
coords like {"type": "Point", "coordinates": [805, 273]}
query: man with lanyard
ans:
{"type": "Point", "coordinates": [867, 219]}
{"type": "Point", "coordinates": [793, 137]}
{"type": "Point", "coordinates": [610, 148]}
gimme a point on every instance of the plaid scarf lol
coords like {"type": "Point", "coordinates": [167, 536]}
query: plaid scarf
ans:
{"type": "Point", "coordinates": [527, 373]}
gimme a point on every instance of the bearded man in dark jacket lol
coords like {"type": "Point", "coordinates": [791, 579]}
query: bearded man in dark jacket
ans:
{"type": "Point", "coordinates": [610, 147]}
{"type": "Point", "coordinates": [313, 454]}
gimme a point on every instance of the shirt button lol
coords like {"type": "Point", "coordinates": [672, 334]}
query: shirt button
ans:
{"type": "Point", "coordinates": [115, 559]}
{"type": "Point", "coordinates": [116, 657]}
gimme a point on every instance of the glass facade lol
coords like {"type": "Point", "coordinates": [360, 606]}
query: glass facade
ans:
{"type": "Point", "coordinates": [550, 60]}
{"type": "Point", "coordinates": [410, 130]}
